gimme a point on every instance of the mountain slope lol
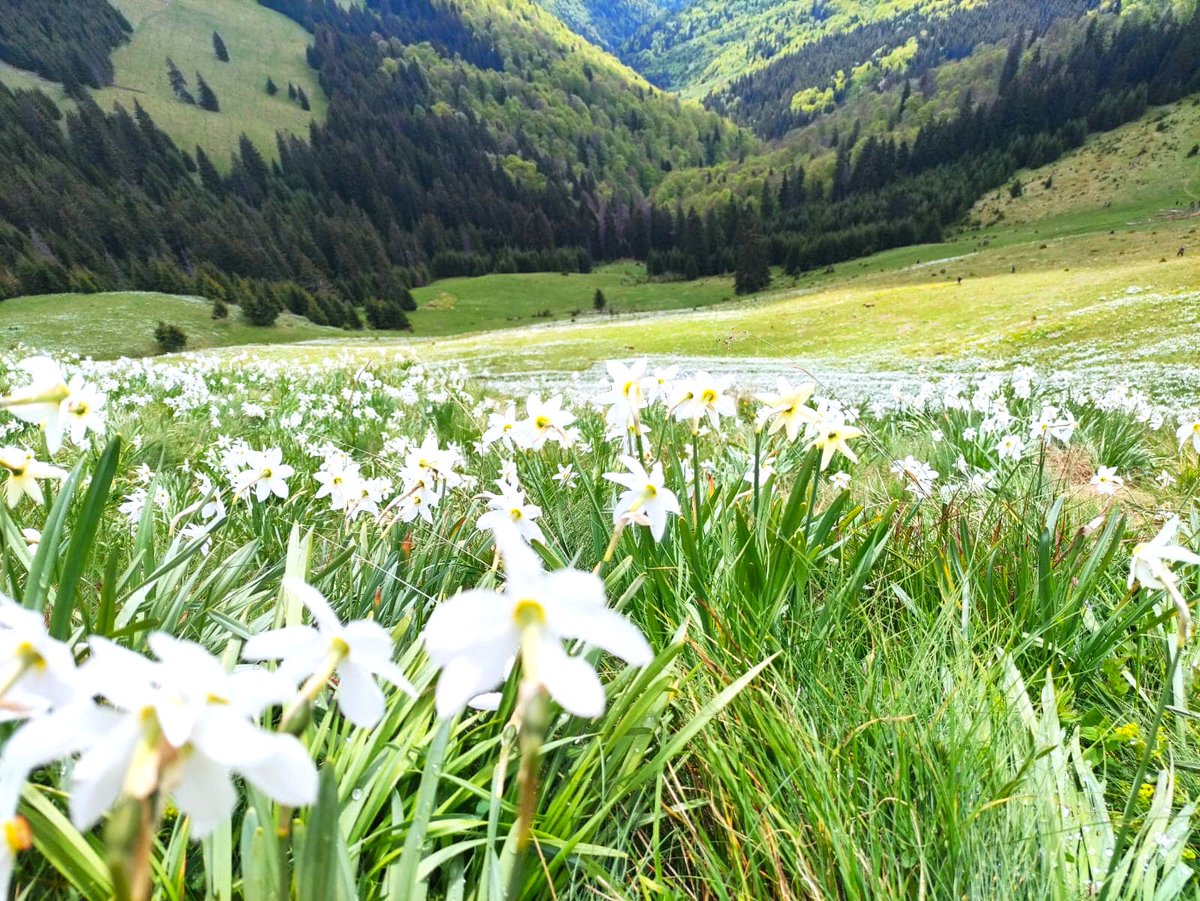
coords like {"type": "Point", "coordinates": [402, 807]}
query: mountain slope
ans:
{"type": "Point", "coordinates": [606, 23]}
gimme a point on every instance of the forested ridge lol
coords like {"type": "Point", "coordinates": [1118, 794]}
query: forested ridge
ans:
{"type": "Point", "coordinates": [796, 87]}
{"type": "Point", "coordinates": [65, 42]}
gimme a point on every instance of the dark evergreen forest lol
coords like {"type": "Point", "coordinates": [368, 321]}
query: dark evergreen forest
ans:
{"type": "Point", "coordinates": [69, 42]}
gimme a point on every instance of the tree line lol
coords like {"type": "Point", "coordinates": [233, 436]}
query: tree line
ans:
{"type": "Point", "coordinates": [65, 42]}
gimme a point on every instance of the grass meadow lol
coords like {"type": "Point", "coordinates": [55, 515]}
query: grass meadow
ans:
{"type": "Point", "coordinates": [916, 669]}
{"type": "Point", "coordinates": [261, 44]}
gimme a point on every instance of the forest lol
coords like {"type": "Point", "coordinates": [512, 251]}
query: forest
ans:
{"type": "Point", "coordinates": [416, 176]}
{"type": "Point", "coordinates": [768, 99]}
{"type": "Point", "coordinates": [64, 42]}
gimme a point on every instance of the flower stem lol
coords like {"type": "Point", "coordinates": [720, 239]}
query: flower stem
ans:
{"type": "Point", "coordinates": [696, 475]}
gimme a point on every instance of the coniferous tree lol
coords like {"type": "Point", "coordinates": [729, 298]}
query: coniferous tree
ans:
{"type": "Point", "coordinates": [599, 301]}
{"type": "Point", "coordinates": [220, 310]}
{"type": "Point", "coordinates": [179, 83]}
{"type": "Point", "coordinates": [209, 176]}
{"type": "Point", "coordinates": [208, 100]}
{"type": "Point", "coordinates": [272, 88]}
{"type": "Point", "coordinates": [753, 271]}
{"type": "Point", "coordinates": [219, 48]}
{"type": "Point", "coordinates": [302, 99]}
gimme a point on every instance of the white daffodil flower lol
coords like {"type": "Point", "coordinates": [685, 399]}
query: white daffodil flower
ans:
{"type": "Point", "coordinates": [23, 474]}
{"type": "Point", "coordinates": [1106, 481]}
{"type": "Point", "coordinates": [626, 396]}
{"type": "Point", "coordinates": [544, 422]}
{"type": "Point", "coordinates": [831, 436]}
{"type": "Point", "coordinates": [646, 499]}
{"type": "Point", "coordinates": [1148, 565]}
{"type": "Point", "coordinates": [355, 653]}
{"type": "Point", "coordinates": [787, 409]}
{"type": "Point", "coordinates": [37, 672]}
{"type": "Point", "coordinates": [266, 474]}
{"type": "Point", "coordinates": [179, 726]}
{"type": "Point", "coordinates": [704, 397]}
{"type": "Point", "coordinates": [530, 619]}
{"type": "Point", "coordinates": [510, 510]}
{"type": "Point", "coordinates": [43, 401]}
{"type": "Point", "coordinates": [1010, 447]}
{"type": "Point", "coordinates": [501, 426]}
{"type": "Point", "coordinates": [1189, 431]}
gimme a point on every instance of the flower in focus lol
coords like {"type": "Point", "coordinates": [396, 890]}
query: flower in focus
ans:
{"type": "Point", "coordinates": [704, 396]}
{"type": "Point", "coordinates": [544, 422]}
{"type": "Point", "coordinates": [786, 409]}
{"type": "Point", "coordinates": [646, 501]}
{"type": "Point", "coordinates": [1106, 481]}
{"type": "Point", "coordinates": [23, 475]}
{"type": "Point", "coordinates": [831, 435]}
{"type": "Point", "coordinates": [565, 476]}
{"type": "Point", "coordinates": [266, 474]}
{"type": "Point", "coordinates": [531, 618]}
{"type": "Point", "coordinates": [355, 653]}
{"type": "Point", "coordinates": [501, 426]}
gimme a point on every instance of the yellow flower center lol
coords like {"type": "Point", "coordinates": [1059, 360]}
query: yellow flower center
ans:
{"type": "Point", "coordinates": [18, 834]}
{"type": "Point", "coordinates": [709, 396]}
{"type": "Point", "coordinates": [29, 656]}
{"type": "Point", "coordinates": [542, 422]}
{"type": "Point", "coordinates": [650, 492]}
{"type": "Point", "coordinates": [266, 473]}
{"type": "Point", "coordinates": [529, 612]}
{"type": "Point", "coordinates": [516, 513]}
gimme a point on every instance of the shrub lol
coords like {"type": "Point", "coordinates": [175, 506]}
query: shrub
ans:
{"type": "Point", "coordinates": [170, 338]}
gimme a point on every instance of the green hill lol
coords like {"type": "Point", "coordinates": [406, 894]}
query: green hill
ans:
{"type": "Point", "coordinates": [122, 324]}
{"type": "Point", "coordinates": [261, 43]}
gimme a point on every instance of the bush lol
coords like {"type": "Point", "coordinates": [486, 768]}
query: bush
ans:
{"type": "Point", "coordinates": [387, 314]}
{"type": "Point", "coordinates": [219, 309]}
{"type": "Point", "coordinates": [260, 308]}
{"type": "Point", "coordinates": [170, 338]}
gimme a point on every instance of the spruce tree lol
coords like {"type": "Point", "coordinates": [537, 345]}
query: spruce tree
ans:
{"type": "Point", "coordinates": [302, 98]}
{"type": "Point", "coordinates": [179, 83]}
{"type": "Point", "coordinates": [272, 88]}
{"type": "Point", "coordinates": [753, 271]}
{"type": "Point", "coordinates": [208, 100]}
{"type": "Point", "coordinates": [219, 48]}
{"type": "Point", "coordinates": [599, 301]}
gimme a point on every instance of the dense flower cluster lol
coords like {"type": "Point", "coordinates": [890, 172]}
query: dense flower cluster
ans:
{"type": "Point", "coordinates": [177, 723]}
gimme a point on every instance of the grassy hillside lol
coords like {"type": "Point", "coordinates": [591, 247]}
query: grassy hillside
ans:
{"type": "Point", "coordinates": [261, 44]}
{"type": "Point", "coordinates": [458, 305]}
{"type": "Point", "coordinates": [122, 324]}
{"type": "Point", "coordinates": [21, 80]}
{"type": "Point", "coordinates": [1143, 168]}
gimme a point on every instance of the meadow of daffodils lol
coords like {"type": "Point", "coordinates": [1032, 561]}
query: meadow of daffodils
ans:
{"type": "Point", "coordinates": [359, 630]}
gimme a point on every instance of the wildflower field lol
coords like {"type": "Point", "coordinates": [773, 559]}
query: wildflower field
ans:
{"type": "Point", "coordinates": [341, 629]}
